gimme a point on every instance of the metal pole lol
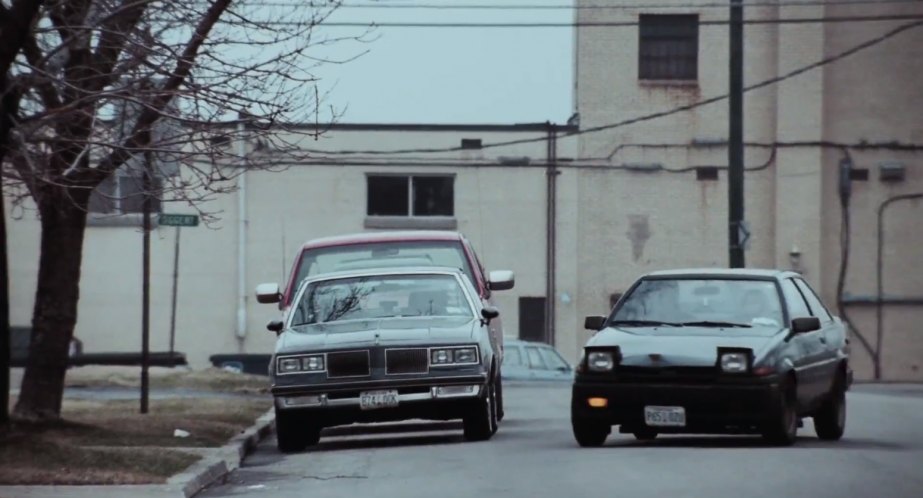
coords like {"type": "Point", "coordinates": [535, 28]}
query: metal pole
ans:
{"type": "Point", "coordinates": [175, 287]}
{"type": "Point", "coordinates": [146, 282]}
{"type": "Point", "coordinates": [549, 236]}
{"type": "Point", "coordinates": [736, 136]}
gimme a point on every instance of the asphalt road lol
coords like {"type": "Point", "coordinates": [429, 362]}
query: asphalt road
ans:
{"type": "Point", "coordinates": [534, 455]}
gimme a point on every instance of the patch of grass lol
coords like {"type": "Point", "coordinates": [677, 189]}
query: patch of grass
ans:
{"type": "Point", "coordinates": [109, 442]}
{"type": "Point", "coordinates": [210, 379]}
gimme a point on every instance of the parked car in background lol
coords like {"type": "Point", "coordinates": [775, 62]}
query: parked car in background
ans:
{"type": "Point", "coordinates": [383, 345]}
{"type": "Point", "coordinates": [392, 249]}
{"type": "Point", "coordinates": [527, 360]}
{"type": "Point", "coordinates": [713, 351]}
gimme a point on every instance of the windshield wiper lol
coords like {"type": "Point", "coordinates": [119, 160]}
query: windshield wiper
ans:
{"type": "Point", "coordinates": [644, 323]}
{"type": "Point", "coordinates": [708, 323]}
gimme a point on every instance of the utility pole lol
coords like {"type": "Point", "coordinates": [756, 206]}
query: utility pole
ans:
{"type": "Point", "coordinates": [146, 281]}
{"type": "Point", "coordinates": [551, 173]}
{"type": "Point", "coordinates": [4, 323]}
{"type": "Point", "coordinates": [736, 137]}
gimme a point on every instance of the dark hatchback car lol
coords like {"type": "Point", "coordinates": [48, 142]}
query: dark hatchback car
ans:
{"type": "Point", "coordinates": [384, 345]}
{"type": "Point", "coordinates": [713, 351]}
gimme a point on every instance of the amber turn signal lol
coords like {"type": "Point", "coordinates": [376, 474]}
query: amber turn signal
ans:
{"type": "Point", "coordinates": [598, 402]}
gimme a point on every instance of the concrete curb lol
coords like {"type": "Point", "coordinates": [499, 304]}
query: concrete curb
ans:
{"type": "Point", "coordinates": [225, 459]}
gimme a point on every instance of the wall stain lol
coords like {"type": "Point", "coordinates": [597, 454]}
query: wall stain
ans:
{"type": "Point", "coordinates": [639, 232]}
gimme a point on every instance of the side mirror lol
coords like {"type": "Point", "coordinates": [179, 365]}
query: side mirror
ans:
{"type": "Point", "coordinates": [594, 322]}
{"type": "Point", "coordinates": [805, 324]}
{"type": "Point", "coordinates": [501, 280]}
{"type": "Point", "coordinates": [489, 313]}
{"type": "Point", "coordinates": [268, 293]}
{"type": "Point", "coordinates": [275, 326]}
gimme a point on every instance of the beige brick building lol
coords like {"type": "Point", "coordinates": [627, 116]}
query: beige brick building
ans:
{"type": "Point", "coordinates": [630, 222]}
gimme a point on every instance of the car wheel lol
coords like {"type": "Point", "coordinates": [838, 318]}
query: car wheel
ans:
{"type": "Point", "coordinates": [481, 423]}
{"type": "Point", "coordinates": [590, 433]}
{"type": "Point", "coordinates": [645, 435]}
{"type": "Point", "coordinates": [783, 430]}
{"type": "Point", "coordinates": [830, 420]}
{"type": "Point", "coordinates": [295, 431]}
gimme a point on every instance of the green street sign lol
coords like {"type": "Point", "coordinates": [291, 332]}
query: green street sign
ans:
{"type": "Point", "coordinates": [179, 220]}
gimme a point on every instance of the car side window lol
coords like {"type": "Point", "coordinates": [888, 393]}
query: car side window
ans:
{"type": "Point", "coordinates": [797, 307]}
{"type": "Point", "coordinates": [512, 357]}
{"type": "Point", "coordinates": [817, 307]}
{"type": "Point", "coordinates": [535, 358]}
{"type": "Point", "coordinates": [554, 360]}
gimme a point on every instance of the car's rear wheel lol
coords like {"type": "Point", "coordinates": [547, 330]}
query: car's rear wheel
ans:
{"type": "Point", "coordinates": [590, 433]}
{"type": "Point", "coordinates": [645, 434]}
{"type": "Point", "coordinates": [783, 430]}
{"type": "Point", "coordinates": [830, 420]}
{"type": "Point", "coordinates": [481, 423]}
{"type": "Point", "coordinates": [500, 412]}
{"type": "Point", "coordinates": [295, 431]}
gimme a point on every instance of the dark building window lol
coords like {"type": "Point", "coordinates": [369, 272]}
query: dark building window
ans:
{"type": "Point", "coordinates": [123, 193]}
{"type": "Point", "coordinates": [411, 195]}
{"type": "Point", "coordinates": [668, 47]}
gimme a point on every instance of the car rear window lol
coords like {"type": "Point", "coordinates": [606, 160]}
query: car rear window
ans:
{"type": "Point", "coordinates": [383, 254]}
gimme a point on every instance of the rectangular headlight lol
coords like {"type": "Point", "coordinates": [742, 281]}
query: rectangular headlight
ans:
{"type": "Point", "coordinates": [600, 361]}
{"type": "Point", "coordinates": [466, 355]}
{"type": "Point", "coordinates": [288, 365]}
{"type": "Point", "coordinates": [441, 356]}
{"type": "Point", "coordinates": [313, 363]}
{"type": "Point", "coordinates": [735, 362]}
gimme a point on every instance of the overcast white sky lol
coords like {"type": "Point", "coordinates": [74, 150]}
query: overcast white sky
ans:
{"type": "Point", "coordinates": [457, 75]}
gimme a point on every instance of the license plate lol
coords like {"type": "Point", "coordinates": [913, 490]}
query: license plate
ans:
{"type": "Point", "coordinates": [372, 400]}
{"type": "Point", "coordinates": [665, 416]}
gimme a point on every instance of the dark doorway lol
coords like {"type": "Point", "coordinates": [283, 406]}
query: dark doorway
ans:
{"type": "Point", "coordinates": [532, 319]}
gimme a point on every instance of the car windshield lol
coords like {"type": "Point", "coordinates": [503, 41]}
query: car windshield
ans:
{"type": "Point", "coordinates": [381, 297]}
{"type": "Point", "coordinates": [383, 254]}
{"type": "Point", "coordinates": [725, 303]}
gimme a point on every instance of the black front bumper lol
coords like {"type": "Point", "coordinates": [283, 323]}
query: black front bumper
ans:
{"type": "Point", "coordinates": [739, 407]}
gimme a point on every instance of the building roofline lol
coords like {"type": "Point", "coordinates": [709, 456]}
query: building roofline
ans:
{"type": "Point", "coordinates": [446, 127]}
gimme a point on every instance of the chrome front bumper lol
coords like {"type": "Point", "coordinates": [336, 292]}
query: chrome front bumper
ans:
{"type": "Point", "coordinates": [321, 400]}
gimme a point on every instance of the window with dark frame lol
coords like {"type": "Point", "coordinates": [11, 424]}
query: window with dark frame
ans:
{"type": "Point", "coordinates": [668, 47]}
{"type": "Point", "coordinates": [122, 193]}
{"type": "Point", "coordinates": [411, 195]}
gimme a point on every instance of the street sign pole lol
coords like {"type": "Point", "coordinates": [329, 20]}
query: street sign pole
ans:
{"type": "Point", "coordinates": [173, 304]}
{"type": "Point", "coordinates": [146, 284]}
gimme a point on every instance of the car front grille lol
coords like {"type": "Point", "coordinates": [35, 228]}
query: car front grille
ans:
{"type": "Point", "coordinates": [406, 361]}
{"type": "Point", "coordinates": [348, 364]}
{"type": "Point", "coordinates": [683, 375]}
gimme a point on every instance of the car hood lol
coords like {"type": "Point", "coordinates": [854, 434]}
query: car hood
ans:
{"type": "Point", "coordinates": [684, 346]}
{"type": "Point", "coordinates": [380, 332]}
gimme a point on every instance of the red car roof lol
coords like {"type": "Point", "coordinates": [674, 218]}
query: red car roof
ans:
{"type": "Point", "coordinates": [373, 237]}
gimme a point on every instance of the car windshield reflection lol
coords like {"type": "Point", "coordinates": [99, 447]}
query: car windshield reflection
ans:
{"type": "Point", "coordinates": [381, 297]}
{"type": "Point", "coordinates": [718, 303]}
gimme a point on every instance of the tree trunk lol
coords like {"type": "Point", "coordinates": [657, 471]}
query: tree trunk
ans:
{"type": "Point", "coordinates": [63, 217]}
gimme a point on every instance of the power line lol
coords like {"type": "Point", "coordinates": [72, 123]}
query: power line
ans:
{"type": "Point", "coordinates": [582, 24]}
{"type": "Point", "coordinates": [648, 117]}
{"type": "Point", "coordinates": [622, 6]}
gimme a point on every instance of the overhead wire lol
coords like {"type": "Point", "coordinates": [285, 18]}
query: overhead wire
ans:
{"type": "Point", "coordinates": [552, 7]}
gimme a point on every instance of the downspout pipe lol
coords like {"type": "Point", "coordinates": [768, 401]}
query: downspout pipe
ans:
{"type": "Point", "coordinates": [879, 275]}
{"type": "Point", "coordinates": [241, 330]}
{"type": "Point", "coordinates": [551, 236]}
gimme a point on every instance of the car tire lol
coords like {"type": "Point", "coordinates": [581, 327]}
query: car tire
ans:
{"type": "Point", "coordinates": [590, 433]}
{"type": "Point", "coordinates": [480, 424]}
{"type": "Point", "coordinates": [295, 431]}
{"type": "Point", "coordinates": [830, 420]}
{"type": "Point", "coordinates": [783, 430]}
{"type": "Point", "coordinates": [645, 434]}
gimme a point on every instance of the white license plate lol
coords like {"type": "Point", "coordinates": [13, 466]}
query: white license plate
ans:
{"type": "Point", "coordinates": [371, 400]}
{"type": "Point", "coordinates": [665, 416]}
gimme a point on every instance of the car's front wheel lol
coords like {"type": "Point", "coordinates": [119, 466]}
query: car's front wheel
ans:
{"type": "Point", "coordinates": [481, 423]}
{"type": "Point", "coordinates": [830, 420]}
{"type": "Point", "coordinates": [590, 433]}
{"type": "Point", "coordinates": [783, 430]}
{"type": "Point", "coordinates": [295, 431]}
